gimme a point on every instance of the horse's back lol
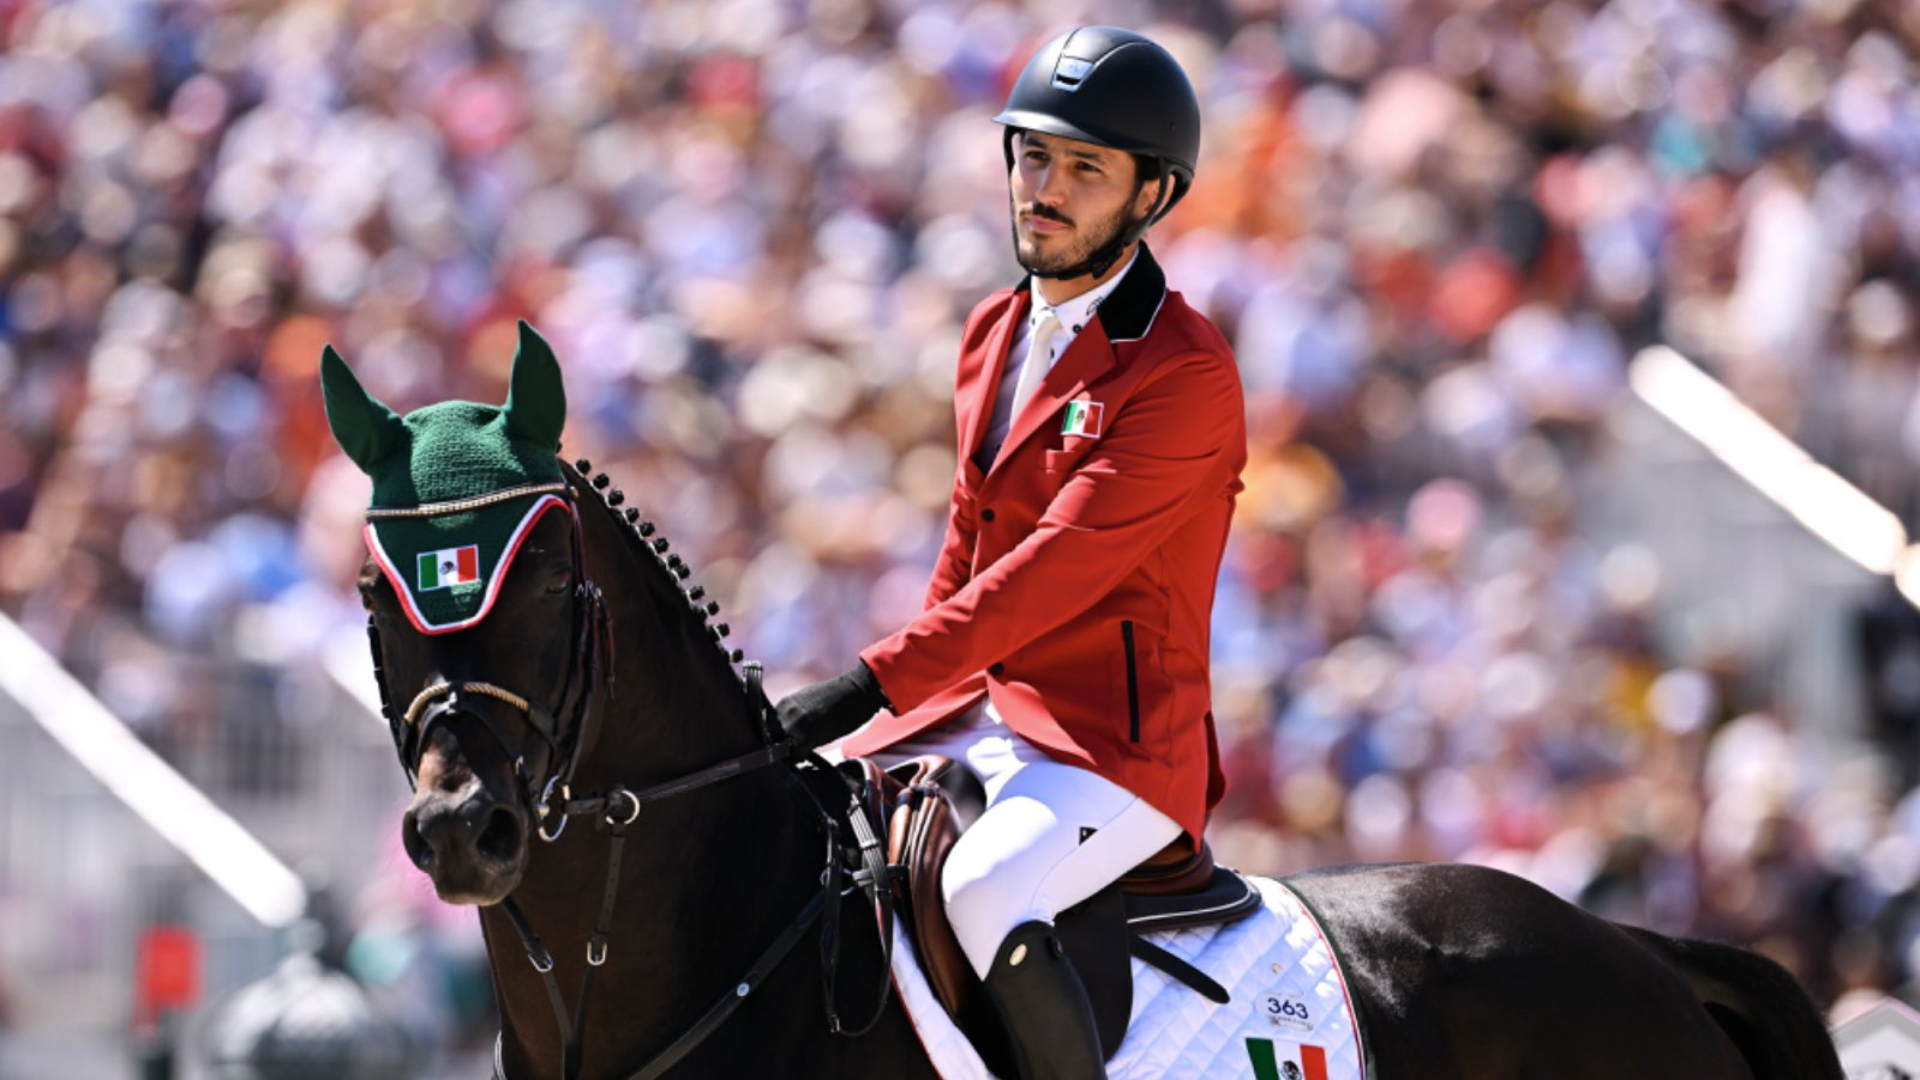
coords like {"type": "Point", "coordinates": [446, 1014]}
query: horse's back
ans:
{"type": "Point", "coordinates": [1468, 972]}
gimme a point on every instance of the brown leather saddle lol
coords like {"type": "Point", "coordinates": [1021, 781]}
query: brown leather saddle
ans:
{"type": "Point", "coordinates": [920, 808]}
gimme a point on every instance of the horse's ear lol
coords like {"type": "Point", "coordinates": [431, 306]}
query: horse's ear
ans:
{"type": "Point", "coordinates": [536, 407]}
{"type": "Point", "coordinates": [366, 429]}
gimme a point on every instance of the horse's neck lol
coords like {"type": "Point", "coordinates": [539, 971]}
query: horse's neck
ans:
{"type": "Point", "coordinates": [708, 878]}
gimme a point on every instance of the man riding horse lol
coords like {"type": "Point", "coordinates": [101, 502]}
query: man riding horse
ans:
{"type": "Point", "coordinates": [1062, 653]}
{"type": "Point", "coordinates": [1062, 656]}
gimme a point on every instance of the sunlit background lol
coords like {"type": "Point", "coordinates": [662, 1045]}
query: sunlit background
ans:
{"type": "Point", "coordinates": [1506, 585]}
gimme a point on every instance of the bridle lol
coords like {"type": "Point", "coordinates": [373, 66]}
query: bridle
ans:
{"type": "Point", "coordinates": [547, 791]}
{"type": "Point", "coordinates": [563, 729]}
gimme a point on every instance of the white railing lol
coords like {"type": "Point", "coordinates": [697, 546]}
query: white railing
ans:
{"type": "Point", "coordinates": [108, 750]}
{"type": "Point", "coordinates": [1763, 550]}
{"type": "Point", "coordinates": [100, 838]}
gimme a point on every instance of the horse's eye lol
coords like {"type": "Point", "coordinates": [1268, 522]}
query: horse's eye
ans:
{"type": "Point", "coordinates": [559, 579]}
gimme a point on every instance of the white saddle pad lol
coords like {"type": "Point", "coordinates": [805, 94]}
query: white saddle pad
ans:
{"type": "Point", "coordinates": [1290, 1017]}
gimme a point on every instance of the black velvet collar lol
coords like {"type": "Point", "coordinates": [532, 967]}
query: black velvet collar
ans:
{"type": "Point", "coordinates": [1127, 312]}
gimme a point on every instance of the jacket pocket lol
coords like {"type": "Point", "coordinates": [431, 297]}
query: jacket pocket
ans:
{"type": "Point", "coordinates": [1133, 682]}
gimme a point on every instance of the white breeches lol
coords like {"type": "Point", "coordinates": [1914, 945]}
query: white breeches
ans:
{"type": "Point", "coordinates": [1052, 834]}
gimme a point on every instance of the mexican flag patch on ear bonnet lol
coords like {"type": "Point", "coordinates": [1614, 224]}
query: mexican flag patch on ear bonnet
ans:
{"type": "Point", "coordinates": [456, 486]}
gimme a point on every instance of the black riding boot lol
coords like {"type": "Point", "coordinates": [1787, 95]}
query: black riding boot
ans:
{"type": "Point", "coordinates": [1044, 1006]}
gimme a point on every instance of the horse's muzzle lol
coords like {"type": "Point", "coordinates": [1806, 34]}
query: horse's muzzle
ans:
{"type": "Point", "coordinates": [472, 845]}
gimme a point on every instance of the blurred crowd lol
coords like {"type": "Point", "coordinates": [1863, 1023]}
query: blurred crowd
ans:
{"type": "Point", "coordinates": [1435, 231]}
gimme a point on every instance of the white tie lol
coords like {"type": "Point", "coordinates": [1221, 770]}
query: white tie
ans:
{"type": "Point", "coordinates": [1039, 355]}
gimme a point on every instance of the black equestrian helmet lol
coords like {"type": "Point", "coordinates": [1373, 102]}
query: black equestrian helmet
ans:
{"type": "Point", "coordinates": [1113, 87]}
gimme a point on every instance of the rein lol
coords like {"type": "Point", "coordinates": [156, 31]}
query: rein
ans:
{"type": "Point", "coordinates": [616, 810]}
{"type": "Point", "coordinates": [874, 879]}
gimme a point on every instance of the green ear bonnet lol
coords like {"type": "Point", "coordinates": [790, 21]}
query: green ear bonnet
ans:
{"type": "Point", "coordinates": [456, 486]}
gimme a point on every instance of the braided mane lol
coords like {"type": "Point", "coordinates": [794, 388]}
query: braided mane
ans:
{"type": "Point", "coordinates": [646, 536]}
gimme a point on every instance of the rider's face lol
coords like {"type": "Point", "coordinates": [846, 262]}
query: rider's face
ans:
{"type": "Point", "coordinates": [1070, 197]}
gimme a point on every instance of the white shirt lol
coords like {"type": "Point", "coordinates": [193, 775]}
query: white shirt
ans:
{"type": "Point", "coordinates": [1074, 315]}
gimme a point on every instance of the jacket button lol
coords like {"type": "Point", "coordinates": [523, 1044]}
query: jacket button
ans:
{"type": "Point", "coordinates": [987, 514]}
{"type": "Point", "coordinates": [996, 670]}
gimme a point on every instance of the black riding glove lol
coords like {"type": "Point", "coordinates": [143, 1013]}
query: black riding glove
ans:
{"type": "Point", "coordinates": [821, 712]}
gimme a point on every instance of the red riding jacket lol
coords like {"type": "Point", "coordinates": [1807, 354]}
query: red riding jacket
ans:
{"type": "Point", "coordinates": [1075, 585]}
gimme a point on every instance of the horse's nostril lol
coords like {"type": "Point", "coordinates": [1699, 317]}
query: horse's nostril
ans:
{"type": "Point", "coordinates": [417, 847]}
{"type": "Point", "coordinates": [500, 840]}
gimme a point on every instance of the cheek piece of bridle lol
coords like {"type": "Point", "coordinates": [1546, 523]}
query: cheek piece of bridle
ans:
{"type": "Point", "coordinates": [563, 733]}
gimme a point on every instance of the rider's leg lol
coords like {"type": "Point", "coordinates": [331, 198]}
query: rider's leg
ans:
{"type": "Point", "coordinates": [1052, 836]}
{"type": "Point", "coordinates": [1043, 1005]}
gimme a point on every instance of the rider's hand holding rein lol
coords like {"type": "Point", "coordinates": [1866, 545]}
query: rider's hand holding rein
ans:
{"type": "Point", "coordinates": [831, 709]}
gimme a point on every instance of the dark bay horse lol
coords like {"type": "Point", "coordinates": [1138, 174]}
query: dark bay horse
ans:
{"type": "Point", "coordinates": [684, 906]}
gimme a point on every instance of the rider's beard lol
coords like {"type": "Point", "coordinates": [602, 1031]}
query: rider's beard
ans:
{"type": "Point", "coordinates": [1085, 242]}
